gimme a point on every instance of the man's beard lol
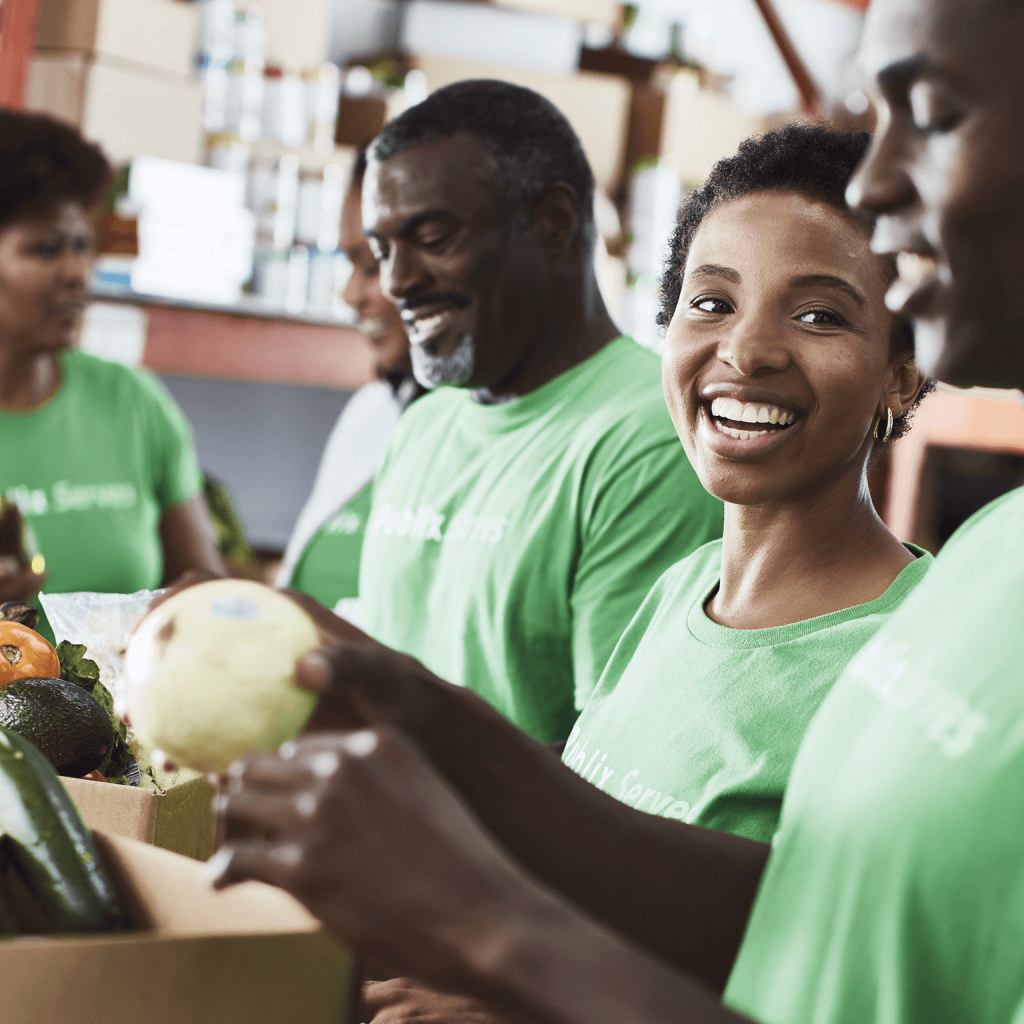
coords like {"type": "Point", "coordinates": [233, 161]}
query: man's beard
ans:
{"type": "Point", "coordinates": [453, 370]}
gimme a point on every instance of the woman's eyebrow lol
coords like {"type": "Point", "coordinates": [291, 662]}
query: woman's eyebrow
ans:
{"type": "Point", "coordinates": [715, 270]}
{"type": "Point", "coordinates": [829, 281]}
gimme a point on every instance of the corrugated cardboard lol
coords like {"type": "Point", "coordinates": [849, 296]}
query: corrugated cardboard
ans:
{"type": "Point", "coordinates": [160, 34]}
{"type": "Point", "coordinates": [248, 955]}
{"type": "Point", "coordinates": [179, 819]}
{"type": "Point", "coordinates": [128, 112]}
{"type": "Point", "coordinates": [597, 106]}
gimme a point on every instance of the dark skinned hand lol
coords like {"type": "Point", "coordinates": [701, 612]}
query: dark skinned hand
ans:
{"type": "Point", "coordinates": [376, 845]}
{"type": "Point", "coordinates": [407, 1001]}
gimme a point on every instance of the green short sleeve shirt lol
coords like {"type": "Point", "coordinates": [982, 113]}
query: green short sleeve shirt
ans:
{"type": "Point", "coordinates": [94, 469]}
{"type": "Point", "coordinates": [328, 569]}
{"type": "Point", "coordinates": [894, 893]}
{"type": "Point", "coordinates": [509, 545]}
{"type": "Point", "coordinates": [701, 723]}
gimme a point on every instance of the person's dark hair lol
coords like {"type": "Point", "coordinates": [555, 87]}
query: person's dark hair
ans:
{"type": "Point", "coordinates": [530, 142]}
{"type": "Point", "coordinates": [43, 162]}
{"type": "Point", "coordinates": [813, 160]}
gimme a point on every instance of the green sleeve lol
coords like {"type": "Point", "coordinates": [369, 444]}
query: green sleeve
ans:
{"type": "Point", "coordinates": [172, 461]}
{"type": "Point", "coordinates": [647, 511]}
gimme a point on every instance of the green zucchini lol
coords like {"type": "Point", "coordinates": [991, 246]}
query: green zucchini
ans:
{"type": "Point", "coordinates": [50, 846]}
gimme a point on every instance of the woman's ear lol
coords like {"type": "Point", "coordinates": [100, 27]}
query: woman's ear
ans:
{"type": "Point", "coordinates": [905, 383]}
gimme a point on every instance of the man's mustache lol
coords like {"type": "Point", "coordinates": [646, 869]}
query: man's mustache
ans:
{"type": "Point", "coordinates": [435, 299]}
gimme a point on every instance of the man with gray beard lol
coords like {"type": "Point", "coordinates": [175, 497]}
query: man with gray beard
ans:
{"type": "Point", "coordinates": [525, 508]}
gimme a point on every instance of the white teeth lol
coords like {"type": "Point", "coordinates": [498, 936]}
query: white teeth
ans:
{"type": "Point", "coordinates": [914, 268]}
{"type": "Point", "coordinates": [427, 325]}
{"type": "Point", "coordinates": [740, 435]}
{"type": "Point", "coordinates": [738, 412]}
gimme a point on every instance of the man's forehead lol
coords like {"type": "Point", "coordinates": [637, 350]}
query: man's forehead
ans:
{"type": "Point", "coordinates": [925, 35]}
{"type": "Point", "coordinates": [453, 171]}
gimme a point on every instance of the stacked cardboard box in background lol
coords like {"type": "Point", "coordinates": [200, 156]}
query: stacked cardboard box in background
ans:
{"type": "Point", "coordinates": [121, 71]}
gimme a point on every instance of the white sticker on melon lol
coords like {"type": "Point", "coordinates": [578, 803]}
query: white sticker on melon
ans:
{"type": "Point", "coordinates": [211, 673]}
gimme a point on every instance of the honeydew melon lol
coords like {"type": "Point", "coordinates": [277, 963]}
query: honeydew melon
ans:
{"type": "Point", "coordinates": [211, 673]}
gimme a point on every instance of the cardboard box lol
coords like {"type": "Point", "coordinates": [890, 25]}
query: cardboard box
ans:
{"type": "Point", "coordinates": [248, 955]}
{"type": "Point", "coordinates": [159, 34]}
{"type": "Point", "coordinates": [700, 126]}
{"type": "Point", "coordinates": [597, 106]}
{"type": "Point", "coordinates": [180, 819]}
{"type": "Point", "coordinates": [128, 112]}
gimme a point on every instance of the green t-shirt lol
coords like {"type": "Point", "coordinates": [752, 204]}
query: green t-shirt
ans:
{"type": "Point", "coordinates": [328, 569]}
{"type": "Point", "coordinates": [510, 545]}
{"type": "Point", "coordinates": [894, 893]}
{"type": "Point", "coordinates": [699, 722]}
{"type": "Point", "coordinates": [93, 470]}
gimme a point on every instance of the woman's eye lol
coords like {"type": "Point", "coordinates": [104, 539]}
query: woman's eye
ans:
{"type": "Point", "coordinates": [819, 318]}
{"type": "Point", "coordinates": [46, 250]}
{"type": "Point", "coordinates": [711, 305]}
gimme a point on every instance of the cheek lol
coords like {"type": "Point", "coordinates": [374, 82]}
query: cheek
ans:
{"type": "Point", "coordinates": [847, 386]}
{"type": "Point", "coordinates": [681, 362]}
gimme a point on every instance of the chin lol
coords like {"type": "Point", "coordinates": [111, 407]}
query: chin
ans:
{"type": "Point", "coordinates": [970, 353]}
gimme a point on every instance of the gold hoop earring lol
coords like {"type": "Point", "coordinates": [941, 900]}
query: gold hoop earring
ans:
{"type": "Point", "coordinates": [888, 427]}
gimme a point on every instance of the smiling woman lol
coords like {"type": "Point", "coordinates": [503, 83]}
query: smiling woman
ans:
{"type": "Point", "coordinates": [97, 455]}
{"type": "Point", "coordinates": [783, 372]}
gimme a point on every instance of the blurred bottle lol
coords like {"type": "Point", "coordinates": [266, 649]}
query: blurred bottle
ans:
{"type": "Point", "coordinates": [323, 87]}
{"type": "Point", "coordinates": [284, 107]}
{"type": "Point", "coordinates": [18, 550]}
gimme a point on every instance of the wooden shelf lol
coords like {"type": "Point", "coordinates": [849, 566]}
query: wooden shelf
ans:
{"type": "Point", "coordinates": [249, 343]}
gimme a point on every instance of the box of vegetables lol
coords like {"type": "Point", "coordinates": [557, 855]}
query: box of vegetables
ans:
{"type": "Point", "coordinates": [96, 927]}
{"type": "Point", "coordinates": [55, 698]}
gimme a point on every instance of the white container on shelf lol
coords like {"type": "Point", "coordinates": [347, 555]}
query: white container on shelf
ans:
{"type": "Point", "coordinates": [273, 196]}
{"type": "Point", "coordinates": [321, 194]}
{"type": "Point", "coordinates": [243, 105]}
{"type": "Point", "coordinates": [323, 88]}
{"type": "Point", "coordinates": [284, 107]}
{"type": "Point", "coordinates": [196, 237]}
{"type": "Point", "coordinates": [328, 272]}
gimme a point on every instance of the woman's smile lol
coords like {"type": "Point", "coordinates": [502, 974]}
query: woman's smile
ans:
{"type": "Point", "coordinates": [735, 427]}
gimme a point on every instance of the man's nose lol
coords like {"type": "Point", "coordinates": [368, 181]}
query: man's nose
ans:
{"type": "Point", "coordinates": [881, 183]}
{"type": "Point", "coordinates": [403, 274]}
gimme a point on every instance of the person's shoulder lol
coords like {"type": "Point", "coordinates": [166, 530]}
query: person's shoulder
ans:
{"type": "Point", "coordinates": [694, 571]}
{"type": "Point", "coordinates": [107, 380]}
{"type": "Point", "coordinates": [625, 392]}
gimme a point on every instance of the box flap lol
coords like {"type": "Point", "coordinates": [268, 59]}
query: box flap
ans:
{"type": "Point", "coordinates": [172, 894]}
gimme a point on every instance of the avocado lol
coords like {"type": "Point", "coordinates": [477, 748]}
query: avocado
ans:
{"type": "Point", "coordinates": [65, 722]}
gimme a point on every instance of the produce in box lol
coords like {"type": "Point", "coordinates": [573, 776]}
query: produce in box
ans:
{"type": "Point", "coordinates": [52, 879]}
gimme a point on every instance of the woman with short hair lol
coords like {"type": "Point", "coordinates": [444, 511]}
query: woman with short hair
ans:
{"type": "Point", "coordinates": [96, 455]}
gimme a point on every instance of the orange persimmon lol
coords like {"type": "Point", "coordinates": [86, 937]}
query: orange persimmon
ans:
{"type": "Point", "coordinates": [24, 653]}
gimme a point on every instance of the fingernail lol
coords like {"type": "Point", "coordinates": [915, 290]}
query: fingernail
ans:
{"type": "Point", "coordinates": [315, 672]}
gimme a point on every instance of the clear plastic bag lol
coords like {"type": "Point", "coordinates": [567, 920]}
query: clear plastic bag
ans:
{"type": "Point", "coordinates": [104, 623]}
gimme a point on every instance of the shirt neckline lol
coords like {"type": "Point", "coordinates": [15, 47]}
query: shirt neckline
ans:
{"type": "Point", "coordinates": [50, 402]}
{"type": "Point", "coordinates": [503, 415]}
{"type": "Point", "coordinates": [713, 634]}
